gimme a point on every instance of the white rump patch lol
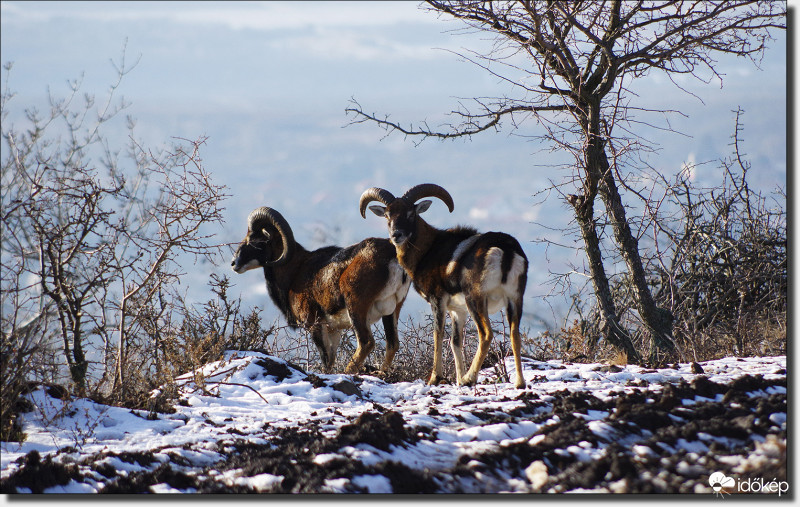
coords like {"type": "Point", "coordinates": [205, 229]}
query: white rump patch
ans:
{"type": "Point", "coordinates": [395, 291]}
{"type": "Point", "coordinates": [497, 292]}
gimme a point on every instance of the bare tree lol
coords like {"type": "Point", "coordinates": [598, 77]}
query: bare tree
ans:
{"type": "Point", "coordinates": [163, 228]}
{"type": "Point", "coordinates": [93, 237]}
{"type": "Point", "coordinates": [572, 64]}
{"type": "Point", "coordinates": [57, 233]}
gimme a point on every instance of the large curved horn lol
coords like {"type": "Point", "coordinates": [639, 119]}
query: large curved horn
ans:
{"type": "Point", "coordinates": [374, 194]}
{"type": "Point", "coordinates": [417, 192]}
{"type": "Point", "coordinates": [262, 216]}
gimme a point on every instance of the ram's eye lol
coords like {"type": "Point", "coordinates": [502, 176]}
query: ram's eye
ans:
{"type": "Point", "coordinates": [410, 214]}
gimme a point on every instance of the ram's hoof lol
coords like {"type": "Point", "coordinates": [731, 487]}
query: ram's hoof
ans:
{"type": "Point", "coordinates": [437, 380]}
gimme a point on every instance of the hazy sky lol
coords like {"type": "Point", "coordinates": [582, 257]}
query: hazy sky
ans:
{"type": "Point", "coordinates": [268, 82]}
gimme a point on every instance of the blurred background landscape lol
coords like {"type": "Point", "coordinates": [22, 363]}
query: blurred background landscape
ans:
{"type": "Point", "coordinates": [268, 84]}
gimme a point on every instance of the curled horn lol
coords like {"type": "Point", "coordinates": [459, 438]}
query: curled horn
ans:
{"type": "Point", "coordinates": [262, 216]}
{"type": "Point", "coordinates": [417, 192]}
{"type": "Point", "coordinates": [374, 194]}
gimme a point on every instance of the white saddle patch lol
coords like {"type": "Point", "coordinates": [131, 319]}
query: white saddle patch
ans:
{"type": "Point", "coordinates": [459, 252]}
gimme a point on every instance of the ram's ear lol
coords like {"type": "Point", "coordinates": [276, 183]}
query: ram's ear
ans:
{"type": "Point", "coordinates": [266, 234]}
{"type": "Point", "coordinates": [378, 210]}
{"type": "Point", "coordinates": [422, 206]}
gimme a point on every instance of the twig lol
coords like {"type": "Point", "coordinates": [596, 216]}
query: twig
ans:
{"type": "Point", "coordinates": [240, 385]}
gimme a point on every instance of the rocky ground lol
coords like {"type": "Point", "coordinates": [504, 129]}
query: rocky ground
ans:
{"type": "Point", "coordinates": [258, 424]}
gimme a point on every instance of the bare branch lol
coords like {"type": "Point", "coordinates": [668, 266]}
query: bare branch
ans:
{"type": "Point", "coordinates": [470, 127]}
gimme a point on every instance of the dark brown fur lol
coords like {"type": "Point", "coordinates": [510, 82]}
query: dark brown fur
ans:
{"type": "Point", "coordinates": [427, 254]}
{"type": "Point", "coordinates": [313, 286]}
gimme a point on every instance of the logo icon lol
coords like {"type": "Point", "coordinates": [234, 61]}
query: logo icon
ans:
{"type": "Point", "coordinates": [719, 482]}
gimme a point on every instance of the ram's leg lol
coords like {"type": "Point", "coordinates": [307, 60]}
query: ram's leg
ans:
{"type": "Point", "coordinates": [458, 317]}
{"type": "Point", "coordinates": [365, 345]}
{"type": "Point", "coordinates": [514, 316]}
{"type": "Point", "coordinates": [438, 333]}
{"type": "Point", "coordinates": [479, 314]}
{"type": "Point", "coordinates": [319, 335]}
{"type": "Point", "coordinates": [392, 341]}
{"type": "Point", "coordinates": [333, 339]}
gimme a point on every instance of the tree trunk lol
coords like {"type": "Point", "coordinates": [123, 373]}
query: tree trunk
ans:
{"type": "Point", "coordinates": [119, 377]}
{"type": "Point", "coordinates": [657, 321]}
{"type": "Point", "coordinates": [78, 366]}
{"type": "Point", "coordinates": [610, 326]}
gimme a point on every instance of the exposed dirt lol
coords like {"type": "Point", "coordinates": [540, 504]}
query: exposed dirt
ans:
{"type": "Point", "coordinates": [657, 424]}
{"type": "Point", "coordinates": [645, 447]}
{"type": "Point", "coordinates": [37, 474]}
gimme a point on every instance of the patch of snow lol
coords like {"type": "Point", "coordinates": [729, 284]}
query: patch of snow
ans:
{"type": "Point", "coordinates": [643, 450]}
{"type": "Point", "coordinates": [778, 418]}
{"type": "Point", "coordinates": [373, 483]}
{"type": "Point", "coordinates": [260, 482]}
{"type": "Point", "coordinates": [695, 446]}
{"type": "Point", "coordinates": [462, 421]}
{"type": "Point", "coordinates": [71, 487]}
{"type": "Point", "coordinates": [335, 485]}
{"type": "Point", "coordinates": [324, 459]}
{"type": "Point", "coordinates": [166, 488]}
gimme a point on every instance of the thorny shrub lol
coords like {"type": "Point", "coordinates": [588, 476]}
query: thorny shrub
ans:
{"type": "Point", "coordinates": [719, 265]}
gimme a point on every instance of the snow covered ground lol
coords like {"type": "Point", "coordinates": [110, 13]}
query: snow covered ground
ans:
{"type": "Point", "coordinates": [257, 424]}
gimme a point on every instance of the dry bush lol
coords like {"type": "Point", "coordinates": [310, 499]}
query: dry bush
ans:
{"type": "Point", "coordinates": [172, 343]}
{"type": "Point", "coordinates": [414, 359]}
{"type": "Point", "coordinates": [18, 356]}
{"type": "Point", "coordinates": [578, 341]}
{"type": "Point", "coordinates": [727, 282]}
{"type": "Point", "coordinates": [719, 265]}
{"type": "Point", "coordinates": [754, 334]}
